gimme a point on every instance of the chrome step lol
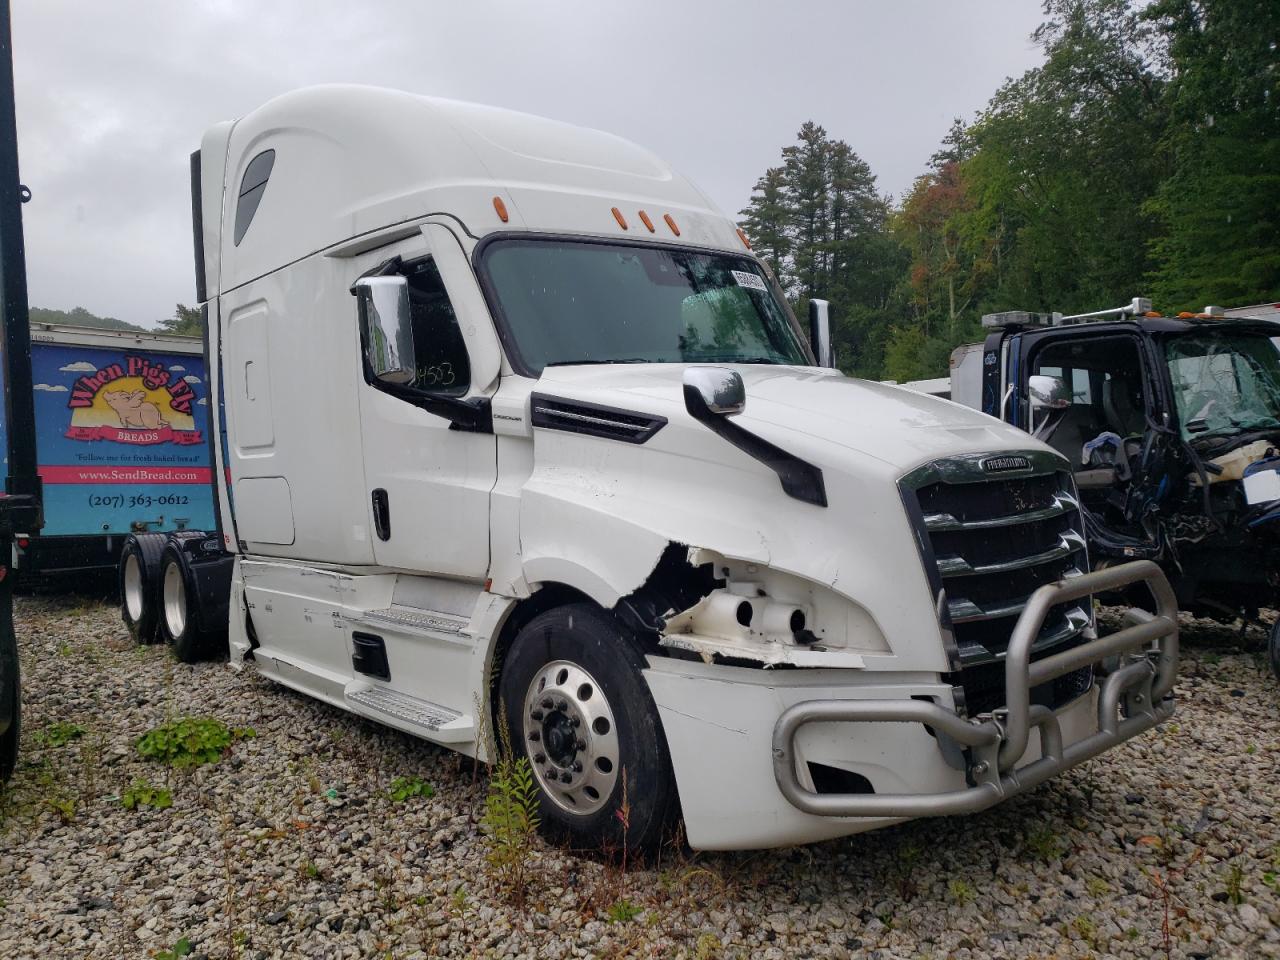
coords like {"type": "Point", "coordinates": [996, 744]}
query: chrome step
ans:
{"type": "Point", "coordinates": [400, 706]}
{"type": "Point", "coordinates": [413, 618]}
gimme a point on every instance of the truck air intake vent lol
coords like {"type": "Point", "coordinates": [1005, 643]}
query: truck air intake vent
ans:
{"type": "Point", "coordinates": [988, 541]}
{"type": "Point", "coordinates": [576, 416]}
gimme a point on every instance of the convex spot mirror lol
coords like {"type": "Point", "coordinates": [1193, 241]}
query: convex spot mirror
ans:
{"type": "Point", "coordinates": [715, 389]}
{"type": "Point", "coordinates": [387, 328]}
{"type": "Point", "coordinates": [1047, 392]}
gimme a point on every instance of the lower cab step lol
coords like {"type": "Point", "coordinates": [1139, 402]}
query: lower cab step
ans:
{"type": "Point", "coordinates": [411, 714]}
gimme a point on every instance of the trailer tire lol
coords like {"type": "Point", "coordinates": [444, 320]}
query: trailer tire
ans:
{"type": "Point", "coordinates": [601, 732]}
{"type": "Point", "coordinates": [1273, 648]}
{"type": "Point", "coordinates": [180, 620]}
{"type": "Point", "coordinates": [9, 739]}
{"type": "Point", "coordinates": [139, 583]}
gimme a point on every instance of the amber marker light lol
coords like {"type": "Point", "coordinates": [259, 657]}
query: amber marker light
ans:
{"type": "Point", "coordinates": [617, 215]}
{"type": "Point", "coordinates": [644, 218]}
{"type": "Point", "coordinates": [671, 223]}
{"type": "Point", "coordinates": [743, 237]}
{"type": "Point", "coordinates": [501, 208]}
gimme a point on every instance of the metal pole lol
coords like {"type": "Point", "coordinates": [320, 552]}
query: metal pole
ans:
{"type": "Point", "coordinates": [20, 502]}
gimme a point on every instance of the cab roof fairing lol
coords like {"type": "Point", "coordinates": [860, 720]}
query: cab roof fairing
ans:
{"type": "Point", "coordinates": [351, 160]}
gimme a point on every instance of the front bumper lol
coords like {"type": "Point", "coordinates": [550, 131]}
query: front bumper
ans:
{"type": "Point", "coordinates": [1140, 663]}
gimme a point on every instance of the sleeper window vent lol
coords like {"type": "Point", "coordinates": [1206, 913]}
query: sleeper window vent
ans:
{"type": "Point", "coordinates": [251, 189]}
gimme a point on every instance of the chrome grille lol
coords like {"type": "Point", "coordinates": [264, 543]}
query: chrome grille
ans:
{"type": "Point", "coordinates": [988, 541]}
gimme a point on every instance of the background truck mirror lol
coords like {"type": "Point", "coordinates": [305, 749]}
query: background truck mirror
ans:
{"type": "Point", "coordinates": [820, 332]}
{"type": "Point", "coordinates": [387, 328]}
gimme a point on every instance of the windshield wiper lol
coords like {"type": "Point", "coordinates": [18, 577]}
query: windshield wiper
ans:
{"type": "Point", "coordinates": [734, 360]}
{"type": "Point", "coordinates": [584, 363]}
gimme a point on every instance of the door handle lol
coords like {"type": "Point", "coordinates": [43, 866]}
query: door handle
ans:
{"type": "Point", "coordinates": [381, 514]}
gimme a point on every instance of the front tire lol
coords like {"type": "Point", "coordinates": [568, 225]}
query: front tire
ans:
{"type": "Point", "coordinates": [576, 705]}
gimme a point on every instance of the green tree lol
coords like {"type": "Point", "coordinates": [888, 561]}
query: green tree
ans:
{"type": "Point", "coordinates": [186, 321]}
{"type": "Point", "coordinates": [1220, 205]}
{"type": "Point", "coordinates": [765, 221]}
{"type": "Point", "coordinates": [820, 223]}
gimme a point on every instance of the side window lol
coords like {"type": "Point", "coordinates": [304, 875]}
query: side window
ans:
{"type": "Point", "coordinates": [252, 186]}
{"type": "Point", "coordinates": [441, 367]}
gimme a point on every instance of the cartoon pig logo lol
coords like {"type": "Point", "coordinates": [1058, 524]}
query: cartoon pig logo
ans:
{"type": "Point", "coordinates": [134, 409]}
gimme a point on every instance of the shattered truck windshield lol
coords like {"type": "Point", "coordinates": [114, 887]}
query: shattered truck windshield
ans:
{"type": "Point", "coordinates": [571, 302]}
{"type": "Point", "coordinates": [1224, 384]}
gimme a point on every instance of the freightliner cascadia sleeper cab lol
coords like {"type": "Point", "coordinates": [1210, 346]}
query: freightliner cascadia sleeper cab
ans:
{"type": "Point", "coordinates": [516, 424]}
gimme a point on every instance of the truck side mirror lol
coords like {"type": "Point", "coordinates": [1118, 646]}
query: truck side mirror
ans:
{"type": "Point", "coordinates": [386, 327]}
{"type": "Point", "coordinates": [820, 332]}
{"type": "Point", "coordinates": [1048, 395]}
{"type": "Point", "coordinates": [714, 390]}
{"type": "Point", "coordinates": [1047, 392]}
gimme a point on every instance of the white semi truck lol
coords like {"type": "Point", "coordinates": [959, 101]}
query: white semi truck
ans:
{"type": "Point", "coordinates": [514, 420]}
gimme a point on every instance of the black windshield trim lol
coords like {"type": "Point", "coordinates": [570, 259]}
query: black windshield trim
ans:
{"type": "Point", "coordinates": [507, 338]}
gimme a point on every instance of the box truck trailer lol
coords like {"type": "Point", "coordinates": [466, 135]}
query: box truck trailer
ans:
{"type": "Point", "coordinates": [122, 444]}
{"type": "Point", "coordinates": [519, 432]}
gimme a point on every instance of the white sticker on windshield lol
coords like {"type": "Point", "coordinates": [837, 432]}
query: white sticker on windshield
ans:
{"type": "Point", "coordinates": [748, 280]}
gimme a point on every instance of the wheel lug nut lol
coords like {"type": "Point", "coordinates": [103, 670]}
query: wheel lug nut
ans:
{"type": "Point", "coordinates": [566, 777]}
{"type": "Point", "coordinates": [539, 758]}
{"type": "Point", "coordinates": [547, 703]}
{"type": "Point", "coordinates": [536, 714]}
{"type": "Point", "coordinates": [535, 736]}
{"type": "Point", "coordinates": [577, 767]}
{"type": "Point", "coordinates": [580, 745]}
{"type": "Point", "coordinates": [575, 721]}
{"type": "Point", "coordinates": [562, 705]}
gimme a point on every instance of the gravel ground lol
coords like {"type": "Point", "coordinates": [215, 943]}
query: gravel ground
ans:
{"type": "Point", "coordinates": [291, 845]}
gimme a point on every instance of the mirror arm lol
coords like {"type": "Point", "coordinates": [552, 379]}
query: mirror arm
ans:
{"type": "Point", "coordinates": [800, 479]}
{"type": "Point", "coordinates": [386, 268]}
{"type": "Point", "coordinates": [471, 415]}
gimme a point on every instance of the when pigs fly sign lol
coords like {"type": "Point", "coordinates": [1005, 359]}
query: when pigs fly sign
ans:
{"type": "Point", "coordinates": [138, 401]}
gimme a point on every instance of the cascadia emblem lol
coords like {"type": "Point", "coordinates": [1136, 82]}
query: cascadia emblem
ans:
{"type": "Point", "coordinates": [1005, 464]}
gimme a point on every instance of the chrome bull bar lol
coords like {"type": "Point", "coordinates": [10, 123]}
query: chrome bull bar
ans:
{"type": "Point", "coordinates": [1134, 696]}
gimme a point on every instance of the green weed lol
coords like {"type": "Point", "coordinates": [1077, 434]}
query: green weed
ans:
{"type": "Point", "coordinates": [180, 949]}
{"type": "Point", "coordinates": [189, 741]}
{"type": "Point", "coordinates": [510, 821]}
{"type": "Point", "coordinates": [58, 734]}
{"type": "Point", "coordinates": [144, 794]}
{"type": "Point", "coordinates": [403, 788]}
{"type": "Point", "coordinates": [622, 911]}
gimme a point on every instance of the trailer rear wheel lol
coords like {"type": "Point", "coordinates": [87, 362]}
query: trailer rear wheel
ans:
{"type": "Point", "coordinates": [9, 739]}
{"type": "Point", "coordinates": [139, 582]}
{"type": "Point", "coordinates": [575, 704]}
{"type": "Point", "coordinates": [1273, 648]}
{"type": "Point", "coordinates": [180, 620]}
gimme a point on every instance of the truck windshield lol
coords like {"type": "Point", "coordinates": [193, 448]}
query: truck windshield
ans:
{"type": "Point", "coordinates": [1224, 383]}
{"type": "Point", "coordinates": [572, 302]}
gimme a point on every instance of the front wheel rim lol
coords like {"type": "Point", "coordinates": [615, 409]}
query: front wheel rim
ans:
{"type": "Point", "coordinates": [571, 737]}
{"type": "Point", "coordinates": [175, 601]}
{"type": "Point", "coordinates": [133, 587]}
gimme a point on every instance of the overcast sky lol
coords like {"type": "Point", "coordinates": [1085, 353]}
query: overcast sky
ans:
{"type": "Point", "coordinates": [114, 96]}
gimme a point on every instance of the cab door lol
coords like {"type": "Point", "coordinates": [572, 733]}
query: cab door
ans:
{"type": "Point", "coordinates": [429, 470]}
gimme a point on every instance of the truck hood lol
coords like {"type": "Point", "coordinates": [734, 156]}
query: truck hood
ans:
{"type": "Point", "coordinates": [897, 427]}
{"type": "Point", "coordinates": [597, 513]}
